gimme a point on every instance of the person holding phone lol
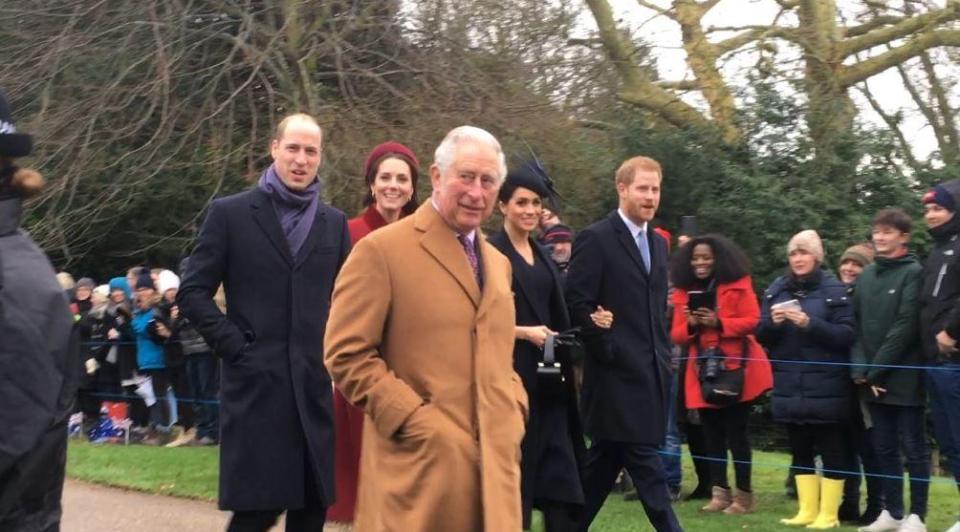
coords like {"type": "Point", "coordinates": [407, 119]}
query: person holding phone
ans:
{"type": "Point", "coordinates": [807, 326]}
{"type": "Point", "coordinates": [715, 311]}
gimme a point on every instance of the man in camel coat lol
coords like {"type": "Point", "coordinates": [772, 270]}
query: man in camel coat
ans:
{"type": "Point", "coordinates": [421, 337]}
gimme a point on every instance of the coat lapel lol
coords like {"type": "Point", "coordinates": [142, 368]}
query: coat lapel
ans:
{"type": "Point", "coordinates": [441, 243]}
{"type": "Point", "coordinates": [266, 217]}
{"type": "Point", "coordinates": [559, 309]}
{"type": "Point", "coordinates": [627, 241]}
{"type": "Point", "coordinates": [314, 238]}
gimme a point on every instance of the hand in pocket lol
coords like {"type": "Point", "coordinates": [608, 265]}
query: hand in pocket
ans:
{"type": "Point", "coordinates": [421, 425]}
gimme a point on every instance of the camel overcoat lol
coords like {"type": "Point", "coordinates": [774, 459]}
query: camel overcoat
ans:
{"type": "Point", "coordinates": [414, 341]}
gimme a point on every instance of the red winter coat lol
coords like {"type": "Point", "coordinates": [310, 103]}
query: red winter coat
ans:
{"type": "Point", "coordinates": [348, 418]}
{"type": "Point", "coordinates": [739, 313]}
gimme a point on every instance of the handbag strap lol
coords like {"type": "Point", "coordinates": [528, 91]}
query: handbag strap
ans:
{"type": "Point", "coordinates": [548, 350]}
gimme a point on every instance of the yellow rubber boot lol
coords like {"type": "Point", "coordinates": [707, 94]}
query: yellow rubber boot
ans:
{"type": "Point", "coordinates": [808, 495]}
{"type": "Point", "coordinates": [831, 494]}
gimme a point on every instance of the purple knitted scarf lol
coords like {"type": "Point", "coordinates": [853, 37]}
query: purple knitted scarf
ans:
{"type": "Point", "coordinates": [295, 208]}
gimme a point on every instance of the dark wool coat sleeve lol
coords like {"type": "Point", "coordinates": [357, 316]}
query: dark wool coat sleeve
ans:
{"type": "Point", "coordinates": [584, 278]}
{"type": "Point", "coordinates": [195, 297]}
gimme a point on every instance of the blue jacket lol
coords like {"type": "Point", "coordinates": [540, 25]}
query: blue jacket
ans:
{"type": "Point", "coordinates": [811, 383]}
{"type": "Point", "coordinates": [149, 353]}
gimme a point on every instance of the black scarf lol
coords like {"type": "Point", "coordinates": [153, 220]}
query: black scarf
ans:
{"type": "Point", "coordinates": [946, 231]}
{"type": "Point", "coordinates": [801, 286]}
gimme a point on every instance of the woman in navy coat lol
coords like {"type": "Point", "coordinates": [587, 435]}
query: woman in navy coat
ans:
{"type": "Point", "coordinates": [553, 445]}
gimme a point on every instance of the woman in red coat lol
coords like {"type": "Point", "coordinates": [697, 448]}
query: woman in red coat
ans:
{"type": "Point", "coordinates": [391, 172]}
{"type": "Point", "coordinates": [727, 316]}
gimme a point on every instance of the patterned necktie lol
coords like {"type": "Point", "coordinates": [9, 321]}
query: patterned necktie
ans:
{"type": "Point", "coordinates": [471, 257]}
{"type": "Point", "coordinates": [644, 249]}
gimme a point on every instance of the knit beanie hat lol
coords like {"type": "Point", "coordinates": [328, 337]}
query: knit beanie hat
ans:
{"type": "Point", "coordinates": [167, 280]}
{"type": "Point", "coordinates": [941, 196]}
{"type": "Point", "coordinates": [102, 291]}
{"type": "Point", "coordinates": [807, 240]}
{"type": "Point", "coordinates": [557, 233]}
{"type": "Point", "coordinates": [120, 283]}
{"type": "Point", "coordinates": [862, 254]}
{"type": "Point", "coordinates": [86, 282]}
{"type": "Point", "coordinates": [144, 280]}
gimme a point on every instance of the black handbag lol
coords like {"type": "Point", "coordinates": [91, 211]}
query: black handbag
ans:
{"type": "Point", "coordinates": [719, 385]}
{"type": "Point", "coordinates": [549, 371]}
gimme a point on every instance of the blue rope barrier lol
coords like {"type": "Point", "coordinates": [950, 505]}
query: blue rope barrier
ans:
{"type": "Point", "coordinates": [938, 367]}
{"type": "Point", "coordinates": [811, 469]}
{"type": "Point", "coordinates": [160, 397]}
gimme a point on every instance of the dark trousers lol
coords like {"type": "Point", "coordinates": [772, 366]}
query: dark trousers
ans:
{"type": "Point", "coordinates": [203, 374]}
{"type": "Point", "coordinates": [177, 375]}
{"type": "Point", "coordinates": [605, 459]}
{"type": "Point", "coordinates": [160, 411]}
{"type": "Point", "coordinates": [861, 456]}
{"type": "Point", "coordinates": [896, 427]}
{"type": "Point", "coordinates": [559, 516]}
{"type": "Point", "coordinates": [943, 387]}
{"type": "Point", "coordinates": [673, 446]}
{"type": "Point", "coordinates": [310, 518]}
{"type": "Point", "coordinates": [726, 429]}
{"type": "Point", "coordinates": [809, 440]}
{"type": "Point", "coordinates": [697, 445]}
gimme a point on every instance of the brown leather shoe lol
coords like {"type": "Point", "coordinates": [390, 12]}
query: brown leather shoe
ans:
{"type": "Point", "coordinates": [719, 501]}
{"type": "Point", "coordinates": [742, 503]}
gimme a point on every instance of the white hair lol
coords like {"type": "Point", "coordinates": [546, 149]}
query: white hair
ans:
{"type": "Point", "coordinates": [443, 157]}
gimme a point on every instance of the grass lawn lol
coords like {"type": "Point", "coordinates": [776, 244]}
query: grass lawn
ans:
{"type": "Point", "coordinates": [189, 472]}
{"type": "Point", "coordinates": [192, 472]}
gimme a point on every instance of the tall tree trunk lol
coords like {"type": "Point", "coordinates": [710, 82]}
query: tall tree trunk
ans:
{"type": "Point", "coordinates": [831, 111]}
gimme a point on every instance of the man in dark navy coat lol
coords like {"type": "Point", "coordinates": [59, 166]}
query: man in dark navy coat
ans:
{"type": "Point", "coordinates": [277, 250]}
{"type": "Point", "coordinates": [618, 274]}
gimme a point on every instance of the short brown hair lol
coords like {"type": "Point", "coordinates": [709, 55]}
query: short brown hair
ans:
{"type": "Point", "coordinates": [894, 217]}
{"type": "Point", "coordinates": [629, 168]}
{"type": "Point", "coordinates": [296, 117]}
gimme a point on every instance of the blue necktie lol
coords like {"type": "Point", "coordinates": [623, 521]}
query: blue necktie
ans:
{"type": "Point", "coordinates": [644, 249]}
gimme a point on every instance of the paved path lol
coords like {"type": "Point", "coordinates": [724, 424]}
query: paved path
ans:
{"type": "Point", "coordinates": [92, 508]}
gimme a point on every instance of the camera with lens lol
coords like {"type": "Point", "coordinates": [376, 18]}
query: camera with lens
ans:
{"type": "Point", "coordinates": [711, 363]}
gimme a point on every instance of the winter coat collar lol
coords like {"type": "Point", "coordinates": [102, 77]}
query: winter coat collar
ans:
{"type": "Point", "coordinates": [806, 284]}
{"type": "Point", "coordinates": [373, 218]}
{"type": "Point", "coordinates": [884, 263]}
{"type": "Point", "coordinates": [946, 231]}
{"type": "Point", "coordinates": [11, 212]}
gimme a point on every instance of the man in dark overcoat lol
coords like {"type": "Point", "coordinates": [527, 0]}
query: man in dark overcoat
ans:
{"type": "Point", "coordinates": [618, 274]}
{"type": "Point", "coordinates": [39, 356]}
{"type": "Point", "coordinates": [277, 249]}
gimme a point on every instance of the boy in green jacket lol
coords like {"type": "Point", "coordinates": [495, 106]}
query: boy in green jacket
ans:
{"type": "Point", "coordinates": [886, 303]}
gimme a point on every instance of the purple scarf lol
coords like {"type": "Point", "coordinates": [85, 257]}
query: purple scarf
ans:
{"type": "Point", "coordinates": [296, 209]}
